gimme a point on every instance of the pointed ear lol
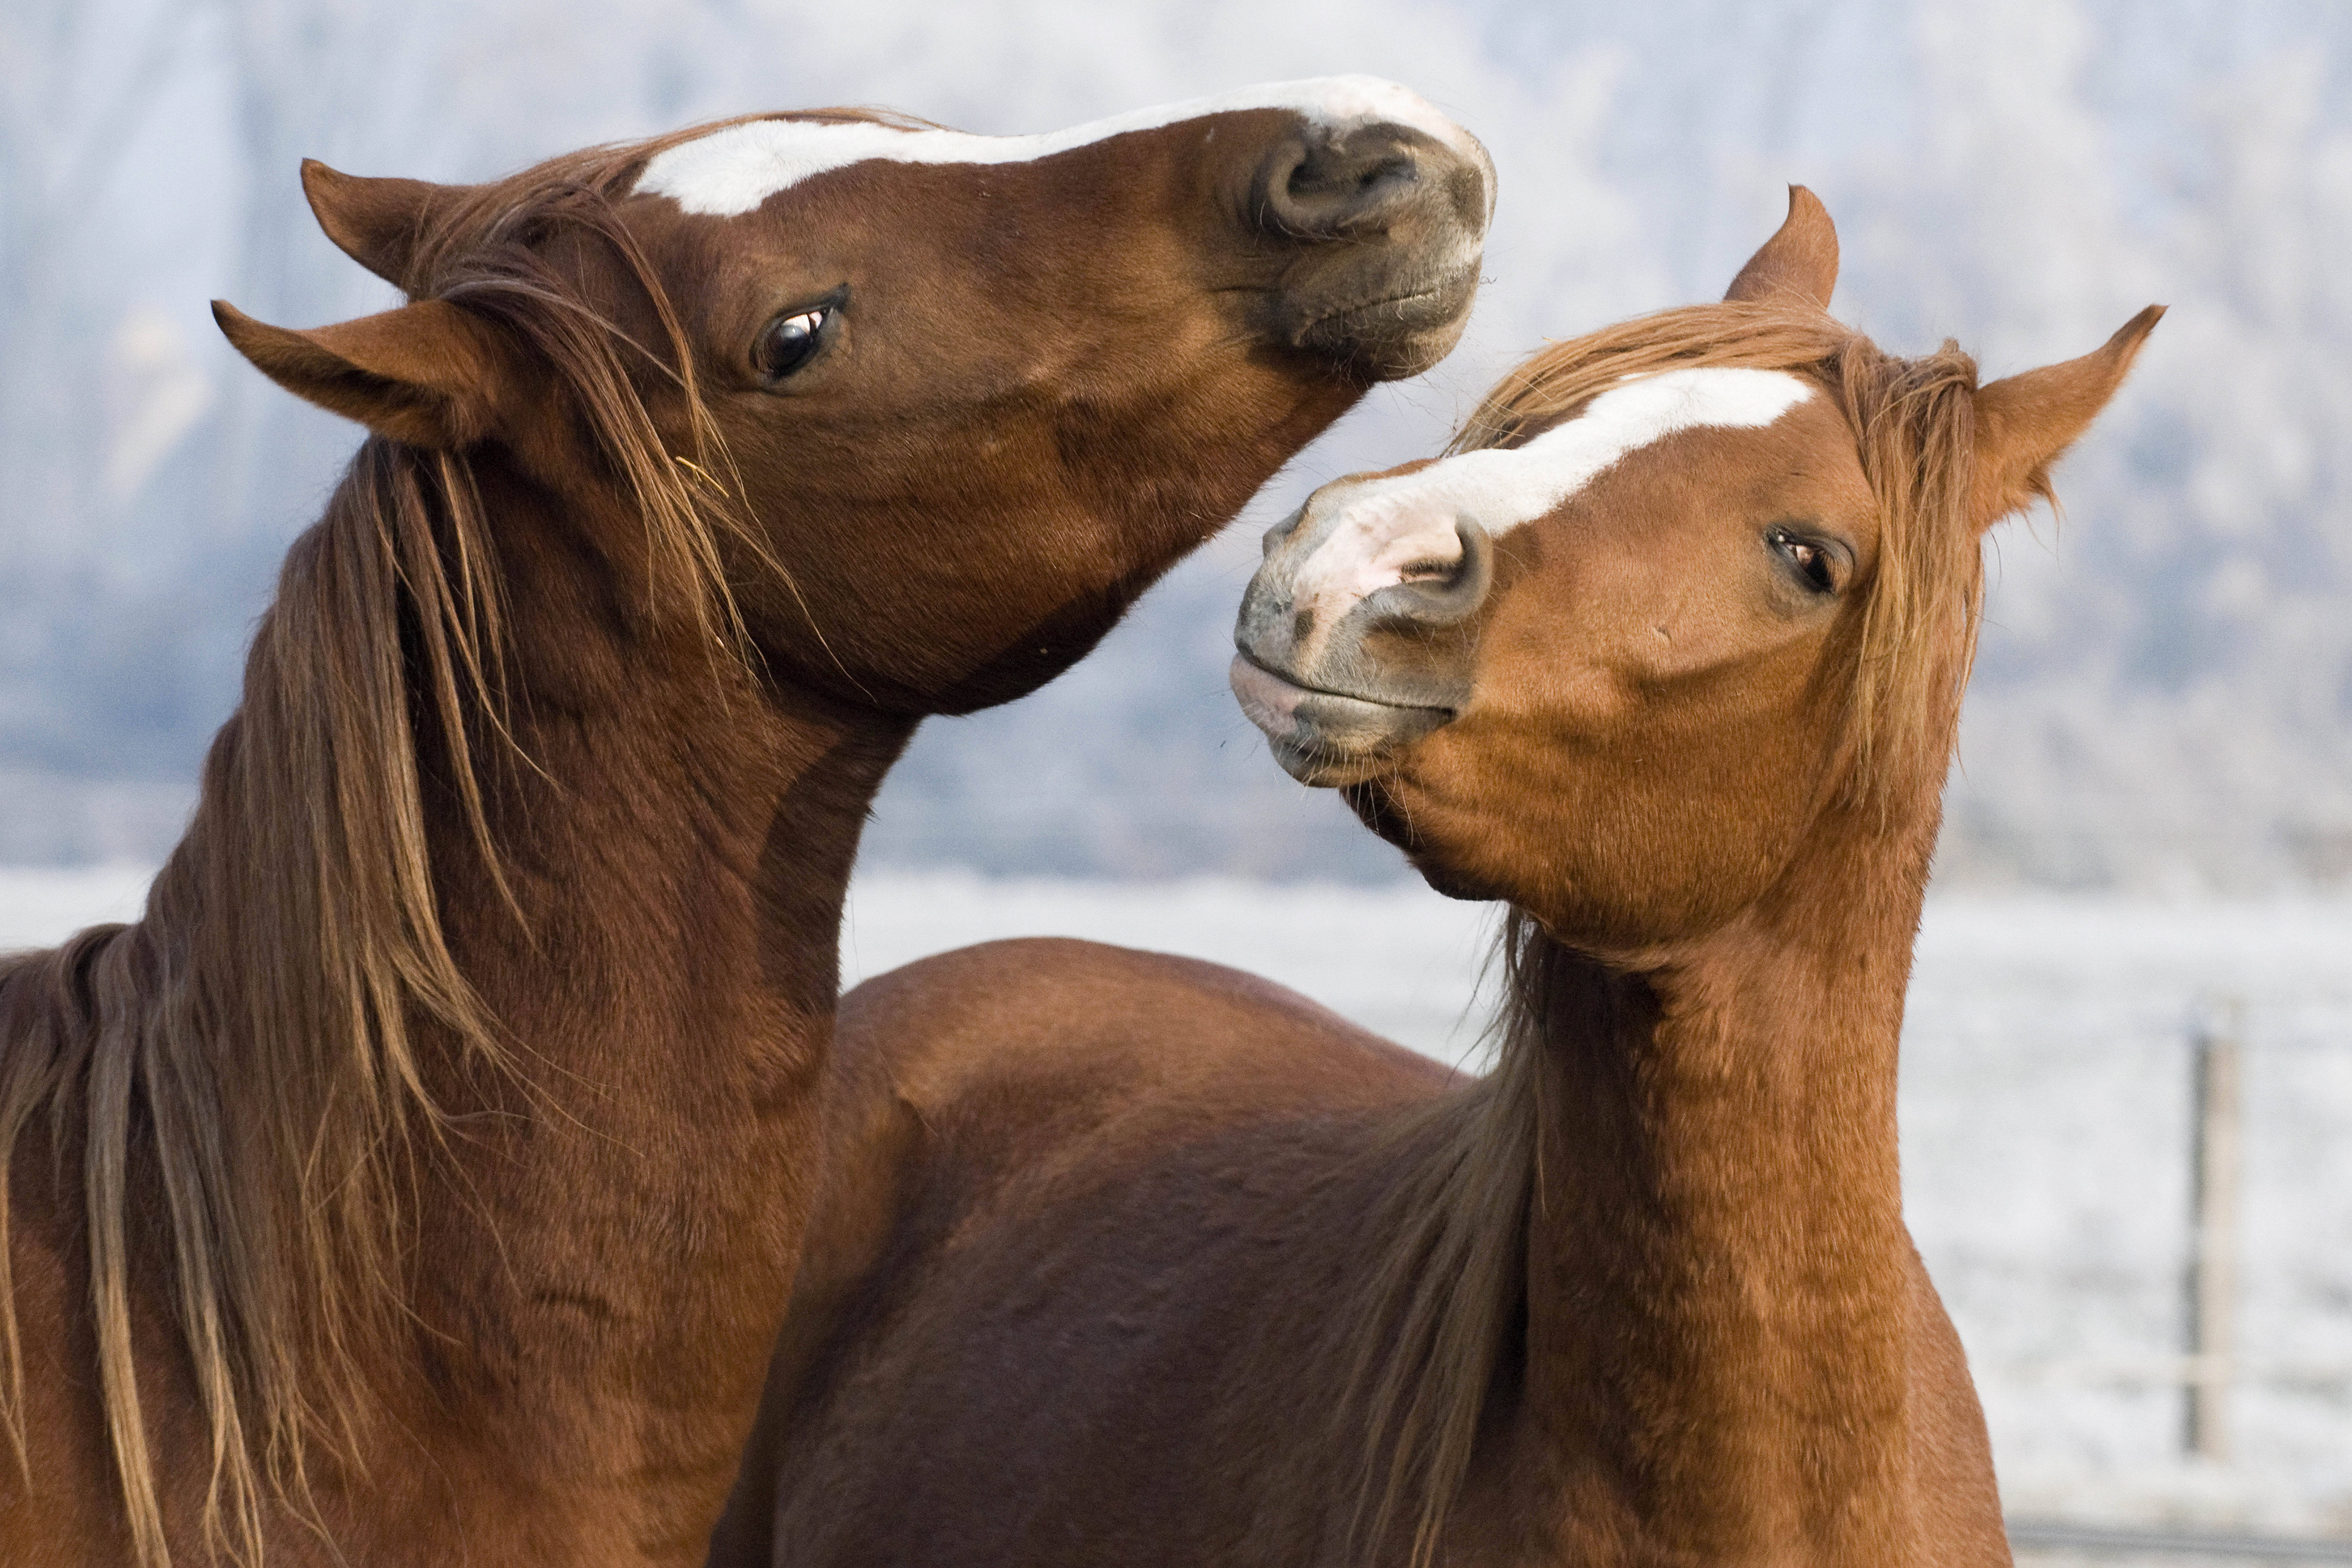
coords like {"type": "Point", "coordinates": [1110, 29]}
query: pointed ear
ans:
{"type": "Point", "coordinates": [431, 373]}
{"type": "Point", "coordinates": [2024, 422]}
{"type": "Point", "coordinates": [376, 223]}
{"type": "Point", "coordinates": [1801, 260]}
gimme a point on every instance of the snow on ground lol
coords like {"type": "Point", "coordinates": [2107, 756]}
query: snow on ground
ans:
{"type": "Point", "coordinates": [2046, 1123]}
{"type": "Point", "coordinates": [2046, 1111]}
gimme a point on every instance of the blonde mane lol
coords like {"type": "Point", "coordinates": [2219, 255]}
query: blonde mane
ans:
{"type": "Point", "coordinates": [240, 1076]}
{"type": "Point", "coordinates": [1430, 1338]}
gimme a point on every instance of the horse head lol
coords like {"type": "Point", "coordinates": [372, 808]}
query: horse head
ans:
{"type": "Point", "coordinates": [1683, 591]}
{"type": "Point", "coordinates": [947, 403]}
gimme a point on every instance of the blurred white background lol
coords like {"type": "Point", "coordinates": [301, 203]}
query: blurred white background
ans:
{"type": "Point", "coordinates": [2165, 697]}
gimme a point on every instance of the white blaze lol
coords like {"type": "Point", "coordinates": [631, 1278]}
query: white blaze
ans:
{"type": "Point", "coordinates": [1386, 526]}
{"type": "Point", "coordinates": [732, 171]}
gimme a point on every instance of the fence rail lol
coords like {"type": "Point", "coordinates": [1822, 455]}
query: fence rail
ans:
{"type": "Point", "coordinates": [2059, 1535]}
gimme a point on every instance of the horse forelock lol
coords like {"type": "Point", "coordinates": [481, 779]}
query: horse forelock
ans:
{"type": "Point", "coordinates": [259, 1045]}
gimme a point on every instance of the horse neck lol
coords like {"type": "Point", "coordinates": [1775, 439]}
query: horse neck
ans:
{"type": "Point", "coordinates": [1719, 1278]}
{"type": "Point", "coordinates": [682, 833]}
{"type": "Point", "coordinates": [626, 1208]}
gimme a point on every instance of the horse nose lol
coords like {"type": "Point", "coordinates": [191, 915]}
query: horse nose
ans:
{"type": "Point", "coordinates": [1409, 640]}
{"type": "Point", "coordinates": [1338, 683]}
{"type": "Point", "coordinates": [1382, 223]}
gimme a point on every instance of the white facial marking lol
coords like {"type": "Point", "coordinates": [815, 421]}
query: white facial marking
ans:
{"type": "Point", "coordinates": [1387, 526]}
{"type": "Point", "coordinates": [732, 171]}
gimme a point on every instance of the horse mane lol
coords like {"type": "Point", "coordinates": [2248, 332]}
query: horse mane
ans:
{"type": "Point", "coordinates": [241, 1076]}
{"type": "Point", "coordinates": [1429, 1340]}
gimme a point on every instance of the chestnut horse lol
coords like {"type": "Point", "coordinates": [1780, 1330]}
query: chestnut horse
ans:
{"type": "Point", "coordinates": [422, 1180]}
{"type": "Point", "coordinates": [1176, 1268]}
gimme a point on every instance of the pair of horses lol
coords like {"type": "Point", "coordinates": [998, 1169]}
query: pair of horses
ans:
{"type": "Point", "coordinates": [428, 1175]}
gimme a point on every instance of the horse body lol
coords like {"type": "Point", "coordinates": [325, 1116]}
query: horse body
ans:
{"type": "Point", "coordinates": [1122, 1288]}
{"type": "Point", "coordinates": [1172, 1144]}
{"type": "Point", "coordinates": [423, 1177]}
{"type": "Point", "coordinates": [1668, 656]}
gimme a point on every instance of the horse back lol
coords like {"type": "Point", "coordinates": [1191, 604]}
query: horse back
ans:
{"type": "Point", "coordinates": [1013, 1041]}
{"type": "Point", "coordinates": [1004, 1115]}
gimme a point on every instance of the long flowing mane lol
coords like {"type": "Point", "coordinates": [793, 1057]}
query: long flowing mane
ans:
{"type": "Point", "coordinates": [1429, 1340]}
{"type": "Point", "coordinates": [236, 1086]}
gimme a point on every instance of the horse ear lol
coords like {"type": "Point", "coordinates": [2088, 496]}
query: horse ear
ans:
{"type": "Point", "coordinates": [1800, 260]}
{"type": "Point", "coordinates": [2025, 421]}
{"type": "Point", "coordinates": [375, 222]}
{"type": "Point", "coordinates": [431, 373]}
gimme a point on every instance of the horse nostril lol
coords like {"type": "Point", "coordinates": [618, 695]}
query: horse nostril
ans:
{"type": "Point", "coordinates": [1313, 181]}
{"type": "Point", "coordinates": [1442, 597]}
{"type": "Point", "coordinates": [1320, 186]}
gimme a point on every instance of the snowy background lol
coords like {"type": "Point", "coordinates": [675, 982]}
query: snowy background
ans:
{"type": "Point", "coordinates": [2165, 698]}
{"type": "Point", "coordinates": [2155, 808]}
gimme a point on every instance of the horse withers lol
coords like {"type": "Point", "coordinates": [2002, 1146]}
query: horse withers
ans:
{"type": "Point", "coordinates": [423, 1178]}
{"type": "Point", "coordinates": [1666, 653]}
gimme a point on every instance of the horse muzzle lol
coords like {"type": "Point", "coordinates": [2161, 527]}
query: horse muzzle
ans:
{"type": "Point", "coordinates": [1342, 682]}
{"type": "Point", "coordinates": [1388, 223]}
{"type": "Point", "coordinates": [1326, 738]}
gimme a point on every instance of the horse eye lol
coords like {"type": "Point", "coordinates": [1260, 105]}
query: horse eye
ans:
{"type": "Point", "coordinates": [789, 342]}
{"type": "Point", "coordinates": [1812, 562]}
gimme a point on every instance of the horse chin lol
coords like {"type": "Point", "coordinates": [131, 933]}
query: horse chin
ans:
{"type": "Point", "coordinates": [1038, 654]}
{"type": "Point", "coordinates": [1397, 335]}
{"type": "Point", "coordinates": [1449, 882]}
{"type": "Point", "coordinates": [1329, 739]}
{"type": "Point", "coordinates": [1375, 804]}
